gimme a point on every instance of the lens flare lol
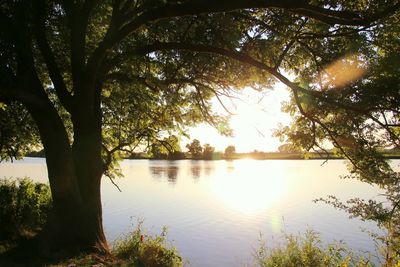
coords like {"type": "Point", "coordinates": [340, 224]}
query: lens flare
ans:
{"type": "Point", "coordinates": [343, 71]}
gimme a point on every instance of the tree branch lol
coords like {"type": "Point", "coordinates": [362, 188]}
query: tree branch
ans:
{"type": "Point", "coordinates": [289, 45]}
{"type": "Point", "coordinates": [78, 23]}
{"type": "Point", "coordinates": [196, 7]}
{"type": "Point", "coordinates": [47, 53]}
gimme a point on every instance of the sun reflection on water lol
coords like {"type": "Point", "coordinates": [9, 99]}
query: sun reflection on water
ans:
{"type": "Point", "coordinates": [250, 189]}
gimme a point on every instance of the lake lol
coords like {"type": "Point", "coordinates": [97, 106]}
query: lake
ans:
{"type": "Point", "coordinates": [215, 211]}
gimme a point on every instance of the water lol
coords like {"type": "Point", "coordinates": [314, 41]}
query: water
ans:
{"type": "Point", "coordinates": [215, 211]}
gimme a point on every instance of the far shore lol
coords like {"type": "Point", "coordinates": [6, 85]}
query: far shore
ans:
{"type": "Point", "coordinates": [256, 155]}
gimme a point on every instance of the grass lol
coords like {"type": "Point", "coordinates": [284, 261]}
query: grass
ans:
{"type": "Point", "coordinates": [141, 249]}
{"type": "Point", "coordinates": [307, 250]}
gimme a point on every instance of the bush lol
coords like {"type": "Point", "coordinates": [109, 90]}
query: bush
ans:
{"type": "Point", "coordinates": [24, 206]}
{"type": "Point", "coordinates": [308, 251]}
{"type": "Point", "coordinates": [139, 249]}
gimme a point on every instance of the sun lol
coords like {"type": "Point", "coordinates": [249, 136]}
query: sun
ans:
{"type": "Point", "coordinates": [256, 118]}
{"type": "Point", "coordinates": [256, 115]}
{"type": "Point", "coordinates": [252, 195]}
{"type": "Point", "coordinates": [251, 129]}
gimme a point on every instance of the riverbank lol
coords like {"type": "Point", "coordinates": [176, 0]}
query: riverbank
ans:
{"type": "Point", "coordinates": [258, 155]}
{"type": "Point", "coordinates": [267, 156]}
{"type": "Point", "coordinates": [137, 249]}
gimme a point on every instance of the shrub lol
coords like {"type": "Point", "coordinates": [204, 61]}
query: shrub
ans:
{"type": "Point", "coordinates": [307, 251]}
{"type": "Point", "coordinates": [140, 249]}
{"type": "Point", "coordinates": [24, 206]}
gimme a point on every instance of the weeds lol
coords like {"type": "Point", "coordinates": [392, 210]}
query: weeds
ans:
{"type": "Point", "coordinates": [140, 249]}
{"type": "Point", "coordinates": [307, 250]}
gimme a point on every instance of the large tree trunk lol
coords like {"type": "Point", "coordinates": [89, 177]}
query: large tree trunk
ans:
{"type": "Point", "coordinates": [89, 167]}
{"type": "Point", "coordinates": [75, 223]}
{"type": "Point", "coordinates": [75, 171]}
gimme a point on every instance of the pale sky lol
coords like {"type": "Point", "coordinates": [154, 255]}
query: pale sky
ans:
{"type": "Point", "coordinates": [257, 114]}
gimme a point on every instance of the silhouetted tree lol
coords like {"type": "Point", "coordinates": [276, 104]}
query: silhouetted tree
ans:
{"type": "Point", "coordinates": [87, 79]}
{"type": "Point", "coordinates": [195, 149]}
{"type": "Point", "coordinates": [208, 152]}
{"type": "Point", "coordinates": [158, 151]}
{"type": "Point", "coordinates": [287, 148]}
{"type": "Point", "coordinates": [230, 151]}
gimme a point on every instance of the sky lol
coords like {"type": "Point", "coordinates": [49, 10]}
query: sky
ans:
{"type": "Point", "coordinates": [257, 114]}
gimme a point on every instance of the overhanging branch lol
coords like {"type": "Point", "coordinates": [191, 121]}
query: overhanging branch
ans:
{"type": "Point", "coordinates": [196, 7]}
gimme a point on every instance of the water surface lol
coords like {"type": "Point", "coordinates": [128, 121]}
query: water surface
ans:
{"type": "Point", "coordinates": [215, 211]}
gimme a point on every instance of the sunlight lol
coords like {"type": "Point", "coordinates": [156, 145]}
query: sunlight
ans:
{"type": "Point", "coordinates": [247, 193]}
{"type": "Point", "coordinates": [255, 117]}
{"type": "Point", "coordinates": [252, 128]}
{"type": "Point", "coordinates": [343, 71]}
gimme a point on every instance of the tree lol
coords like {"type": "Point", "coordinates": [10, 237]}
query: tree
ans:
{"type": "Point", "coordinates": [195, 149]}
{"type": "Point", "coordinates": [230, 151]}
{"type": "Point", "coordinates": [287, 148]}
{"type": "Point", "coordinates": [158, 151]}
{"type": "Point", "coordinates": [208, 152]}
{"type": "Point", "coordinates": [166, 148]}
{"type": "Point", "coordinates": [173, 147]}
{"type": "Point", "coordinates": [357, 115]}
{"type": "Point", "coordinates": [86, 79]}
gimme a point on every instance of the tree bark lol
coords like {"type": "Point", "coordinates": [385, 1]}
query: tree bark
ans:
{"type": "Point", "coordinates": [75, 223]}
{"type": "Point", "coordinates": [89, 170]}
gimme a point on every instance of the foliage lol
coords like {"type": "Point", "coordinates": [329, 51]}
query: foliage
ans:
{"type": "Point", "coordinates": [135, 249]}
{"type": "Point", "coordinates": [359, 117]}
{"type": "Point", "coordinates": [157, 151]}
{"type": "Point", "coordinates": [167, 148]}
{"type": "Point", "coordinates": [152, 78]}
{"type": "Point", "coordinates": [230, 151]}
{"type": "Point", "coordinates": [141, 249]}
{"type": "Point", "coordinates": [208, 152]}
{"type": "Point", "coordinates": [18, 133]}
{"type": "Point", "coordinates": [287, 148]}
{"type": "Point", "coordinates": [307, 250]}
{"type": "Point", "coordinates": [24, 206]}
{"type": "Point", "coordinates": [100, 78]}
{"type": "Point", "coordinates": [195, 149]}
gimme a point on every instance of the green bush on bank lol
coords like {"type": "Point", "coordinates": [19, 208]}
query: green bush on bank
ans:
{"type": "Point", "coordinates": [140, 249]}
{"type": "Point", "coordinates": [24, 206]}
{"type": "Point", "coordinates": [136, 249]}
{"type": "Point", "coordinates": [307, 250]}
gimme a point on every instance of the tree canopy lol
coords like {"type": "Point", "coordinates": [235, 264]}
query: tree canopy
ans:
{"type": "Point", "coordinates": [230, 151]}
{"type": "Point", "coordinates": [172, 66]}
{"type": "Point", "coordinates": [195, 149]}
{"type": "Point", "coordinates": [353, 102]}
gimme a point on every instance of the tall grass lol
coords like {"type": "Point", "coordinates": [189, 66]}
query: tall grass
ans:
{"type": "Point", "coordinates": [141, 249]}
{"type": "Point", "coordinates": [308, 251]}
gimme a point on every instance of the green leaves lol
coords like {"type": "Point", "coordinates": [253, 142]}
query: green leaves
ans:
{"type": "Point", "coordinates": [359, 118]}
{"type": "Point", "coordinates": [24, 207]}
{"type": "Point", "coordinates": [18, 133]}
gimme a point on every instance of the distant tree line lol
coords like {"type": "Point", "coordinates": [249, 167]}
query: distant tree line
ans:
{"type": "Point", "coordinates": [169, 148]}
